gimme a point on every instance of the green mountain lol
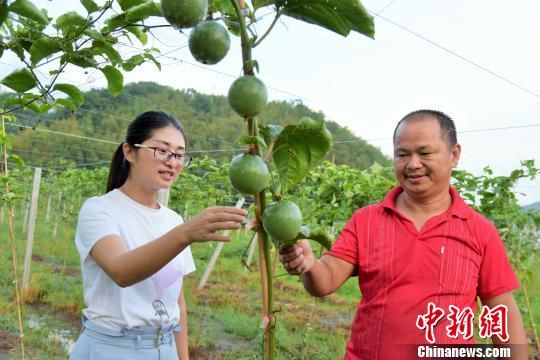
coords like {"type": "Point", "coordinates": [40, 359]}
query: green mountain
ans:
{"type": "Point", "coordinates": [212, 128]}
{"type": "Point", "coordinates": [533, 206]}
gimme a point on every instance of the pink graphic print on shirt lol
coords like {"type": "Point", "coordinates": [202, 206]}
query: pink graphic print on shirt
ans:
{"type": "Point", "coordinates": [165, 278]}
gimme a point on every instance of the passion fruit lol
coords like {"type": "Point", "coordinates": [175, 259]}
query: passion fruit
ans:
{"type": "Point", "coordinates": [249, 174]}
{"type": "Point", "coordinates": [282, 220]}
{"type": "Point", "coordinates": [248, 96]}
{"type": "Point", "coordinates": [209, 42]}
{"type": "Point", "coordinates": [184, 13]}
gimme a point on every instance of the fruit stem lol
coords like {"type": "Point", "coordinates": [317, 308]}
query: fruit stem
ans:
{"type": "Point", "coordinates": [244, 38]}
{"type": "Point", "coordinates": [260, 204]}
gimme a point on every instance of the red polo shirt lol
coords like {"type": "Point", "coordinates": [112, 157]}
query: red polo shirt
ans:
{"type": "Point", "coordinates": [457, 256]}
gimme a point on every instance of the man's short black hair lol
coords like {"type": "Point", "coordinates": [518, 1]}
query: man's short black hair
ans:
{"type": "Point", "coordinates": [448, 128]}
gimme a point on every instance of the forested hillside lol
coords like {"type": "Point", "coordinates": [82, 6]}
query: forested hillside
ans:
{"type": "Point", "coordinates": [211, 126]}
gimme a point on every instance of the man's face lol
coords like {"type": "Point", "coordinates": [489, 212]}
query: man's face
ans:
{"type": "Point", "coordinates": [423, 159]}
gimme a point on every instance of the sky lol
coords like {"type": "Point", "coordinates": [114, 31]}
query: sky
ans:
{"type": "Point", "coordinates": [478, 61]}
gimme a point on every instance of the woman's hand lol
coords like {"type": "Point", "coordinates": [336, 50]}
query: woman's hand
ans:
{"type": "Point", "coordinates": [206, 225]}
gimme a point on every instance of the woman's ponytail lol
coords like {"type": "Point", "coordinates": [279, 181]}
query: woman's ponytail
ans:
{"type": "Point", "coordinates": [119, 171]}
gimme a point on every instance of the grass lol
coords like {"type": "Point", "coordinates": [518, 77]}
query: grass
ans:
{"type": "Point", "coordinates": [224, 317]}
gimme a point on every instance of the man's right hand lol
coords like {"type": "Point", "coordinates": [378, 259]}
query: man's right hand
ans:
{"type": "Point", "coordinates": [298, 258]}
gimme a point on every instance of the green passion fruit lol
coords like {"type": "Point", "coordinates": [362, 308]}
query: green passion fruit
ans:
{"type": "Point", "coordinates": [184, 13]}
{"type": "Point", "coordinates": [249, 174]}
{"type": "Point", "coordinates": [209, 42]}
{"type": "Point", "coordinates": [248, 96]}
{"type": "Point", "coordinates": [282, 220]}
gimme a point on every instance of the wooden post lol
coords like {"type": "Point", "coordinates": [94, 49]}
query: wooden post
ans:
{"type": "Point", "coordinates": [251, 251]}
{"type": "Point", "coordinates": [186, 212]}
{"type": "Point", "coordinates": [31, 228]}
{"type": "Point", "coordinates": [2, 210]}
{"type": "Point", "coordinates": [163, 196]}
{"type": "Point", "coordinates": [55, 228]}
{"type": "Point", "coordinates": [25, 218]}
{"type": "Point", "coordinates": [216, 253]}
{"type": "Point", "coordinates": [48, 211]}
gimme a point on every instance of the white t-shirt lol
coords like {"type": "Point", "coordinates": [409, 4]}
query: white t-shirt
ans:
{"type": "Point", "coordinates": [151, 302]}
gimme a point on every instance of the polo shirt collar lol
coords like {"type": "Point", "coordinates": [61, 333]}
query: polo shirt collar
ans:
{"type": "Point", "coordinates": [458, 208]}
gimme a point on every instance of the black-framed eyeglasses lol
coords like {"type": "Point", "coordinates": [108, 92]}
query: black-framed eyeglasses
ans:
{"type": "Point", "coordinates": [163, 154]}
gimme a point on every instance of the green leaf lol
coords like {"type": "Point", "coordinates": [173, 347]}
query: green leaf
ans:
{"type": "Point", "coordinates": [20, 80]}
{"type": "Point", "coordinates": [246, 139]}
{"type": "Point", "coordinates": [114, 22]}
{"type": "Point", "coordinates": [83, 58]}
{"type": "Point", "coordinates": [315, 233]}
{"type": "Point", "coordinates": [298, 148]}
{"type": "Point", "coordinates": [127, 4]}
{"type": "Point", "coordinates": [270, 132]}
{"type": "Point", "coordinates": [104, 48]}
{"type": "Point", "coordinates": [257, 4]}
{"type": "Point", "coordinates": [115, 79]}
{"type": "Point", "coordinates": [67, 103]}
{"type": "Point", "coordinates": [3, 14]}
{"type": "Point", "coordinates": [133, 61]}
{"type": "Point", "coordinates": [70, 19]}
{"type": "Point", "coordinates": [28, 10]}
{"type": "Point", "coordinates": [143, 11]}
{"type": "Point", "coordinates": [153, 59]}
{"type": "Point", "coordinates": [222, 6]}
{"type": "Point", "coordinates": [94, 34]}
{"type": "Point", "coordinates": [89, 5]}
{"type": "Point", "coordinates": [232, 24]}
{"type": "Point", "coordinates": [44, 47]}
{"type": "Point", "coordinates": [141, 35]}
{"type": "Point", "coordinates": [72, 91]}
{"type": "Point", "coordinates": [340, 16]}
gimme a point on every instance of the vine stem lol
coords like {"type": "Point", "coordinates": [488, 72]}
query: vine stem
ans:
{"type": "Point", "coordinates": [13, 247]}
{"type": "Point", "coordinates": [268, 322]}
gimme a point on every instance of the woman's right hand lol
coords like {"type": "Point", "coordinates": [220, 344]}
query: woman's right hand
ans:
{"type": "Point", "coordinates": [206, 225]}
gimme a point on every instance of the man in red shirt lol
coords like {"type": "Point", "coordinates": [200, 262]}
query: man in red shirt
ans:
{"type": "Point", "coordinates": [422, 256]}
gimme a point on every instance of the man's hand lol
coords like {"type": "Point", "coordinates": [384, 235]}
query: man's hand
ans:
{"type": "Point", "coordinates": [298, 258]}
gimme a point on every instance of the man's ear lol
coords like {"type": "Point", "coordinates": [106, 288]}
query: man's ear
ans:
{"type": "Point", "coordinates": [456, 153]}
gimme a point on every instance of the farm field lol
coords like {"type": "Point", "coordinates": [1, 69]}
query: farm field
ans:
{"type": "Point", "coordinates": [224, 317]}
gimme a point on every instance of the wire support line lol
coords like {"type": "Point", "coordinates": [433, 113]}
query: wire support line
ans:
{"type": "Point", "coordinates": [483, 68]}
{"type": "Point", "coordinates": [65, 134]}
{"type": "Point", "coordinates": [459, 132]}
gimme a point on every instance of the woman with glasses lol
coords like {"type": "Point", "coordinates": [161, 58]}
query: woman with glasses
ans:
{"type": "Point", "coordinates": [135, 251]}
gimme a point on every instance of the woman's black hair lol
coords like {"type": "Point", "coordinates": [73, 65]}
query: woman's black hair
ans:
{"type": "Point", "coordinates": [139, 130]}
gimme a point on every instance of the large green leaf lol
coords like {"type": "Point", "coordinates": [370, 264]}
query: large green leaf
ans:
{"type": "Point", "coordinates": [153, 59]}
{"type": "Point", "coordinates": [72, 91]}
{"type": "Point", "coordinates": [257, 4]}
{"type": "Point", "coordinates": [28, 10]}
{"type": "Point", "coordinates": [43, 47]}
{"type": "Point", "coordinates": [132, 62]}
{"type": "Point", "coordinates": [3, 14]}
{"type": "Point", "coordinates": [89, 5]}
{"type": "Point", "coordinates": [340, 16]}
{"type": "Point", "coordinates": [105, 49]}
{"type": "Point", "coordinates": [20, 80]}
{"type": "Point", "coordinates": [127, 4]}
{"type": "Point", "coordinates": [141, 35]}
{"type": "Point", "coordinates": [67, 103]}
{"type": "Point", "coordinates": [222, 6]}
{"type": "Point", "coordinates": [315, 233]}
{"type": "Point", "coordinates": [143, 11]}
{"type": "Point", "coordinates": [70, 19]}
{"type": "Point", "coordinates": [83, 58]}
{"type": "Point", "coordinates": [297, 148]}
{"type": "Point", "coordinates": [115, 79]}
